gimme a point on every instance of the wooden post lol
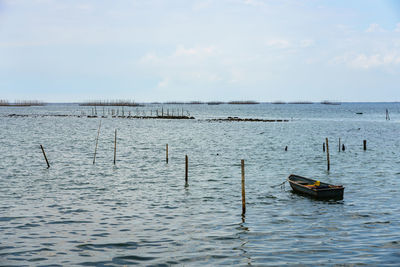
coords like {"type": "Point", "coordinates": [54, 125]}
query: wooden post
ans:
{"type": "Point", "coordinates": [286, 148]}
{"type": "Point", "coordinates": [186, 170]}
{"type": "Point", "coordinates": [339, 144]}
{"type": "Point", "coordinates": [327, 154]}
{"type": "Point", "coordinates": [115, 146]}
{"type": "Point", "coordinates": [343, 147]}
{"type": "Point", "coordinates": [365, 144]}
{"type": "Point", "coordinates": [97, 141]}
{"type": "Point", "coordinates": [166, 153]}
{"type": "Point", "coordinates": [44, 154]}
{"type": "Point", "coordinates": [243, 190]}
{"type": "Point", "coordinates": [323, 147]}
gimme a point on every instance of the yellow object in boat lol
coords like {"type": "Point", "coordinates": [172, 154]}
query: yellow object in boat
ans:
{"type": "Point", "coordinates": [317, 183]}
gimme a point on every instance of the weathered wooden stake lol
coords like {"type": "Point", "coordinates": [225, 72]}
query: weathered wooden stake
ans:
{"type": "Point", "coordinates": [186, 170]}
{"type": "Point", "coordinates": [44, 154]}
{"type": "Point", "coordinates": [166, 153]}
{"type": "Point", "coordinates": [339, 144]}
{"type": "Point", "coordinates": [323, 147]}
{"type": "Point", "coordinates": [343, 147]}
{"type": "Point", "coordinates": [327, 154]}
{"type": "Point", "coordinates": [286, 148]}
{"type": "Point", "coordinates": [243, 190]}
{"type": "Point", "coordinates": [365, 144]}
{"type": "Point", "coordinates": [97, 141]}
{"type": "Point", "coordinates": [115, 146]}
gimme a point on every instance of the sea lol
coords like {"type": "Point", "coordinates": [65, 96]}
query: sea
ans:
{"type": "Point", "coordinates": [140, 211]}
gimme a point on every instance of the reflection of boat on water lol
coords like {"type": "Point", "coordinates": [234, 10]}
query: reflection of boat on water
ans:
{"type": "Point", "coordinates": [326, 102]}
{"type": "Point", "coordinates": [315, 188]}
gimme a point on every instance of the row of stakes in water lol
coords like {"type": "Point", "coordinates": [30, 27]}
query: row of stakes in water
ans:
{"type": "Point", "coordinates": [138, 113]}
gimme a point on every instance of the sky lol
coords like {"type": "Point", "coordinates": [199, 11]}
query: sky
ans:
{"type": "Point", "coordinates": [187, 50]}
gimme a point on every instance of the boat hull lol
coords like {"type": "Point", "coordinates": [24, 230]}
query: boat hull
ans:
{"type": "Point", "coordinates": [326, 191]}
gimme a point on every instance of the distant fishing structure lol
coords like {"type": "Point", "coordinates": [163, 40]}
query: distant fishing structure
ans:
{"type": "Point", "coordinates": [21, 103]}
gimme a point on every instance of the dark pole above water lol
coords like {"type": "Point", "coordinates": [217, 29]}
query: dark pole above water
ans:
{"type": "Point", "coordinates": [243, 190]}
{"type": "Point", "coordinates": [44, 154]}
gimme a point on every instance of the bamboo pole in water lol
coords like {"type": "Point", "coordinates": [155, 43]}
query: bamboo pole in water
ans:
{"type": "Point", "coordinates": [327, 154]}
{"type": "Point", "coordinates": [115, 146]}
{"type": "Point", "coordinates": [365, 144]}
{"type": "Point", "coordinates": [323, 147]}
{"type": "Point", "coordinates": [166, 153]}
{"type": "Point", "coordinates": [339, 144]}
{"type": "Point", "coordinates": [44, 154]}
{"type": "Point", "coordinates": [243, 190]}
{"type": "Point", "coordinates": [97, 141]}
{"type": "Point", "coordinates": [186, 170]}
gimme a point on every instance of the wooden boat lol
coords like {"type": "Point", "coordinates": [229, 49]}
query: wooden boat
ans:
{"type": "Point", "coordinates": [315, 188]}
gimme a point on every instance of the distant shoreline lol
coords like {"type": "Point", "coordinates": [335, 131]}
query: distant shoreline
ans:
{"type": "Point", "coordinates": [211, 103]}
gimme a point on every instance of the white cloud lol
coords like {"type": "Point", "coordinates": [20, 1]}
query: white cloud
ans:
{"type": "Point", "coordinates": [149, 58]}
{"type": "Point", "coordinates": [253, 2]}
{"type": "Point", "coordinates": [307, 43]}
{"type": "Point", "coordinates": [278, 43]}
{"type": "Point", "coordinates": [185, 65]}
{"type": "Point", "coordinates": [84, 7]}
{"type": "Point", "coordinates": [199, 5]}
{"type": "Point", "coordinates": [397, 29]}
{"type": "Point", "coordinates": [163, 83]}
{"type": "Point", "coordinates": [369, 61]}
{"type": "Point", "coordinates": [195, 51]}
{"type": "Point", "coordinates": [374, 27]}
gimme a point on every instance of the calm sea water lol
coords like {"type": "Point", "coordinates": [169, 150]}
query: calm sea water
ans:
{"type": "Point", "coordinates": [140, 212]}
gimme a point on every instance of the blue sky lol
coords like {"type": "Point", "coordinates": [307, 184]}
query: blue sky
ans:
{"type": "Point", "coordinates": [153, 50]}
